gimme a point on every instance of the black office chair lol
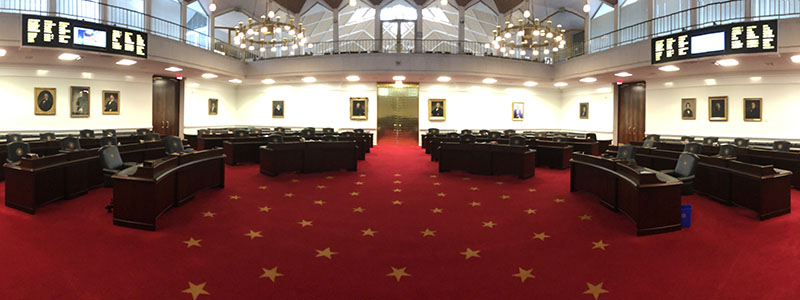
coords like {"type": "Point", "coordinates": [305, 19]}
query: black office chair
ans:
{"type": "Point", "coordinates": [275, 139]}
{"type": "Point", "coordinates": [348, 134]}
{"type": "Point", "coordinates": [240, 133]}
{"type": "Point", "coordinates": [49, 136]}
{"type": "Point", "coordinates": [109, 132]}
{"type": "Point", "coordinates": [307, 133]}
{"type": "Point", "coordinates": [13, 137]}
{"type": "Point", "coordinates": [540, 135]}
{"type": "Point", "coordinates": [627, 152]}
{"type": "Point", "coordinates": [70, 143]}
{"type": "Point", "coordinates": [727, 150]}
{"type": "Point", "coordinates": [358, 131]}
{"type": "Point", "coordinates": [509, 132]}
{"type": "Point", "coordinates": [108, 141]}
{"type": "Point", "coordinates": [710, 140]}
{"type": "Point", "coordinates": [112, 164]}
{"type": "Point", "coordinates": [16, 151]}
{"type": "Point", "coordinates": [327, 130]}
{"type": "Point", "coordinates": [453, 135]}
{"type": "Point", "coordinates": [329, 138]}
{"type": "Point", "coordinates": [684, 171]}
{"type": "Point", "coordinates": [483, 132]}
{"type": "Point", "coordinates": [782, 146]}
{"type": "Point", "coordinates": [151, 137]}
{"type": "Point", "coordinates": [692, 148]}
{"type": "Point", "coordinates": [654, 137]}
{"type": "Point", "coordinates": [312, 130]}
{"type": "Point", "coordinates": [649, 144]}
{"type": "Point", "coordinates": [467, 139]}
{"type": "Point", "coordinates": [255, 131]}
{"type": "Point", "coordinates": [558, 139]}
{"type": "Point", "coordinates": [517, 140]}
{"type": "Point", "coordinates": [495, 135]}
{"type": "Point", "coordinates": [592, 137]}
{"type": "Point", "coordinates": [280, 130]}
{"type": "Point", "coordinates": [466, 131]}
{"type": "Point", "coordinates": [202, 132]}
{"type": "Point", "coordinates": [741, 142]}
{"type": "Point", "coordinates": [142, 131]}
{"type": "Point", "coordinates": [687, 139]}
{"type": "Point", "coordinates": [87, 133]}
{"type": "Point", "coordinates": [173, 145]}
{"type": "Point", "coordinates": [433, 130]}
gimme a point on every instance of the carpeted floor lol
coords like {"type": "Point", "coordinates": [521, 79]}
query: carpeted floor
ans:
{"type": "Point", "coordinates": [396, 229]}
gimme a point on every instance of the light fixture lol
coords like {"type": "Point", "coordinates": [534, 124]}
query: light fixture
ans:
{"type": "Point", "coordinates": [604, 90]}
{"type": "Point", "coordinates": [730, 62]}
{"type": "Point", "coordinates": [126, 62]}
{"type": "Point", "coordinates": [86, 75]}
{"type": "Point", "coordinates": [209, 76]}
{"type": "Point", "coordinates": [489, 80]}
{"type": "Point", "coordinates": [443, 2]}
{"type": "Point", "coordinates": [526, 14]}
{"type": "Point", "coordinates": [668, 83]}
{"type": "Point", "coordinates": [755, 78]}
{"type": "Point", "coordinates": [526, 34]}
{"type": "Point", "coordinates": [796, 59]}
{"type": "Point", "coordinates": [194, 84]}
{"type": "Point", "coordinates": [269, 31]}
{"type": "Point", "coordinates": [309, 79]}
{"type": "Point", "coordinates": [588, 79]}
{"type": "Point", "coordinates": [530, 83]}
{"type": "Point", "coordinates": [444, 79]}
{"type": "Point", "coordinates": [399, 78]}
{"type": "Point", "coordinates": [560, 84]}
{"type": "Point", "coordinates": [212, 7]}
{"type": "Point", "coordinates": [69, 56]}
{"type": "Point", "coordinates": [353, 2]}
{"type": "Point", "coordinates": [268, 81]}
{"type": "Point", "coordinates": [587, 7]}
{"type": "Point", "coordinates": [353, 78]}
{"type": "Point", "coordinates": [669, 68]}
{"type": "Point", "coordinates": [235, 80]}
{"type": "Point", "coordinates": [398, 84]}
{"type": "Point", "coordinates": [173, 69]}
{"type": "Point", "coordinates": [2, 52]}
{"type": "Point", "coordinates": [710, 81]}
{"type": "Point", "coordinates": [623, 74]}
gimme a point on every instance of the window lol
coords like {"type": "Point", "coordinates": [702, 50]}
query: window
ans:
{"type": "Point", "coordinates": [631, 17]}
{"type": "Point", "coordinates": [79, 9]}
{"type": "Point", "coordinates": [197, 24]}
{"type": "Point", "coordinates": [126, 13]}
{"type": "Point", "coordinates": [229, 19]}
{"type": "Point", "coordinates": [37, 7]}
{"type": "Point", "coordinates": [712, 12]}
{"type": "Point", "coordinates": [166, 18]}
{"type": "Point", "coordinates": [357, 27]}
{"type": "Point", "coordinates": [398, 10]}
{"type": "Point", "coordinates": [771, 9]}
{"type": "Point", "coordinates": [440, 28]}
{"type": "Point", "coordinates": [601, 28]}
{"type": "Point", "coordinates": [670, 16]}
{"type": "Point", "coordinates": [479, 22]}
{"type": "Point", "coordinates": [318, 22]}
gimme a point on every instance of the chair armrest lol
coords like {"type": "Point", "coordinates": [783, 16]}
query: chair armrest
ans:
{"type": "Point", "coordinates": [110, 171]}
{"type": "Point", "coordinates": [687, 178]}
{"type": "Point", "coordinates": [128, 171]}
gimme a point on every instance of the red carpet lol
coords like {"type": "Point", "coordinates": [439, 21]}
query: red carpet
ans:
{"type": "Point", "coordinates": [70, 250]}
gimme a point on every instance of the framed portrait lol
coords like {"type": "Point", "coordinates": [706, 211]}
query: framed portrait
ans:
{"type": "Point", "coordinates": [79, 101]}
{"type": "Point", "coordinates": [44, 101]}
{"type": "Point", "coordinates": [517, 111]}
{"type": "Point", "coordinates": [278, 109]}
{"type": "Point", "coordinates": [358, 108]}
{"type": "Point", "coordinates": [584, 110]}
{"type": "Point", "coordinates": [110, 102]}
{"type": "Point", "coordinates": [688, 108]}
{"type": "Point", "coordinates": [213, 107]}
{"type": "Point", "coordinates": [752, 109]}
{"type": "Point", "coordinates": [437, 109]}
{"type": "Point", "coordinates": [718, 108]}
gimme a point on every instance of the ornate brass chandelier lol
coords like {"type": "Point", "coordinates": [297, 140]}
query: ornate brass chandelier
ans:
{"type": "Point", "coordinates": [528, 36]}
{"type": "Point", "coordinates": [270, 32]}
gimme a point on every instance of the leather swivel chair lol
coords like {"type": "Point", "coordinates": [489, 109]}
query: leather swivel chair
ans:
{"type": "Point", "coordinates": [109, 132]}
{"type": "Point", "coordinates": [327, 130]}
{"type": "Point", "coordinates": [782, 146]}
{"type": "Point", "coordinates": [348, 134]}
{"type": "Point", "coordinates": [280, 130]}
{"type": "Point", "coordinates": [275, 139]}
{"type": "Point", "coordinates": [173, 145]}
{"type": "Point", "coordinates": [649, 144]}
{"type": "Point", "coordinates": [727, 151]}
{"type": "Point", "coordinates": [112, 164]}
{"type": "Point", "coordinates": [16, 151]}
{"type": "Point", "coordinates": [255, 131]}
{"type": "Point", "coordinates": [433, 131]}
{"type": "Point", "coordinates": [49, 136]}
{"type": "Point", "coordinates": [13, 137]}
{"type": "Point", "coordinates": [142, 131]}
{"type": "Point", "coordinates": [541, 135]}
{"type": "Point", "coordinates": [692, 148]}
{"type": "Point", "coordinates": [453, 135]}
{"type": "Point", "coordinates": [152, 137]}
{"type": "Point", "coordinates": [87, 133]}
{"type": "Point", "coordinates": [654, 137]}
{"type": "Point", "coordinates": [241, 133]}
{"type": "Point", "coordinates": [592, 137]}
{"type": "Point", "coordinates": [710, 140]}
{"type": "Point", "coordinates": [70, 143]}
{"type": "Point", "coordinates": [517, 140]}
{"type": "Point", "coordinates": [329, 138]}
{"type": "Point", "coordinates": [483, 132]}
{"type": "Point", "coordinates": [558, 139]}
{"type": "Point", "coordinates": [741, 142]}
{"type": "Point", "coordinates": [687, 139]}
{"type": "Point", "coordinates": [358, 131]}
{"type": "Point", "coordinates": [108, 141]}
{"type": "Point", "coordinates": [466, 131]}
{"type": "Point", "coordinates": [495, 135]}
{"type": "Point", "coordinates": [202, 132]}
{"type": "Point", "coordinates": [509, 132]}
{"type": "Point", "coordinates": [684, 171]}
{"type": "Point", "coordinates": [307, 134]}
{"type": "Point", "coordinates": [467, 139]}
{"type": "Point", "coordinates": [626, 152]}
{"type": "Point", "coordinates": [312, 130]}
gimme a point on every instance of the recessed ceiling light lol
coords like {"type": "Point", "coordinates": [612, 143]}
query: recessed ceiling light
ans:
{"type": "Point", "coordinates": [755, 78]}
{"type": "Point", "coordinates": [604, 90]}
{"type": "Point", "coordinates": [560, 84]}
{"type": "Point", "coordinates": [444, 79]}
{"type": "Point", "coordinates": [353, 78]}
{"type": "Point", "coordinates": [796, 59]}
{"type": "Point", "coordinates": [669, 68]}
{"type": "Point", "coordinates": [2, 52]}
{"type": "Point", "coordinates": [126, 62]}
{"type": "Point", "coordinates": [235, 80]}
{"type": "Point", "coordinates": [209, 76]}
{"type": "Point", "coordinates": [194, 84]}
{"type": "Point", "coordinates": [710, 81]}
{"type": "Point", "coordinates": [86, 75]}
{"type": "Point", "coordinates": [668, 83]}
{"type": "Point", "coordinates": [730, 62]}
{"type": "Point", "coordinates": [588, 79]}
{"type": "Point", "coordinates": [399, 78]}
{"type": "Point", "coordinates": [268, 81]}
{"type": "Point", "coordinates": [69, 56]}
{"type": "Point", "coordinates": [309, 79]}
{"type": "Point", "coordinates": [623, 74]}
{"type": "Point", "coordinates": [489, 80]}
{"type": "Point", "coordinates": [173, 69]}
{"type": "Point", "coordinates": [530, 83]}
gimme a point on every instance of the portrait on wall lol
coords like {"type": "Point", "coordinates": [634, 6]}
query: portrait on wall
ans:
{"type": "Point", "coordinates": [752, 109]}
{"type": "Point", "coordinates": [436, 109]}
{"type": "Point", "coordinates": [584, 110]}
{"type": "Point", "coordinates": [688, 106]}
{"type": "Point", "coordinates": [358, 108]}
{"type": "Point", "coordinates": [517, 111]}
{"type": "Point", "coordinates": [718, 108]}
{"type": "Point", "coordinates": [213, 107]}
{"type": "Point", "coordinates": [278, 109]}
{"type": "Point", "coordinates": [110, 102]}
{"type": "Point", "coordinates": [79, 101]}
{"type": "Point", "coordinates": [44, 101]}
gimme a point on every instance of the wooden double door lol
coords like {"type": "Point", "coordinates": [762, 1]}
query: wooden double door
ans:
{"type": "Point", "coordinates": [167, 95]}
{"type": "Point", "coordinates": [398, 114]}
{"type": "Point", "coordinates": [631, 112]}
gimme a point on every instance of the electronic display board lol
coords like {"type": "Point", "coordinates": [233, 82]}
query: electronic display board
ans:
{"type": "Point", "coordinates": [43, 31]}
{"type": "Point", "coordinates": [750, 37]}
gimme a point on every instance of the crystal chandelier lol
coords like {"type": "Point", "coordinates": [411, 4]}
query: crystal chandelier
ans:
{"type": "Point", "coordinates": [528, 36]}
{"type": "Point", "coordinates": [270, 32]}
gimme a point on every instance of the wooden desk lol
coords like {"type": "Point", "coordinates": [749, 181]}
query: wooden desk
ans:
{"type": "Point", "coordinates": [783, 160]}
{"type": "Point", "coordinates": [242, 150]}
{"type": "Point", "coordinates": [651, 200]}
{"type": "Point", "coordinates": [488, 159]}
{"type": "Point", "coordinates": [313, 156]}
{"type": "Point", "coordinates": [139, 199]}
{"type": "Point", "coordinates": [551, 154]}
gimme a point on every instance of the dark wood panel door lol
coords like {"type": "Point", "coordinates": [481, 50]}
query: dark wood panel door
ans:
{"type": "Point", "coordinates": [167, 93]}
{"type": "Point", "coordinates": [631, 112]}
{"type": "Point", "coordinates": [398, 114]}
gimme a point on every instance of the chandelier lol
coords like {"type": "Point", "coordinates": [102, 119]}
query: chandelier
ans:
{"type": "Point", "coordinates": [270, 32]}
{"type": "Point", "coordinates": [528, 36]}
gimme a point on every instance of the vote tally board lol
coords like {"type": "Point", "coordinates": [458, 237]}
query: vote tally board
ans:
{"type": "Point", "coordinates": [45, 31]}
{"type": "Point", "coordinates": [750, 37]}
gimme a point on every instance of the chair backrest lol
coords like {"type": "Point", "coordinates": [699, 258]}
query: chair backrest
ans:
{"type": "Point", "coordinates": [327, 130]}
{"type": "Point", "coordinates": [433, 130]}
{"type": "Point", "coordinates": [687, 139]}
{"type": "Point", "coordinates": [591, 137]}
{"type": "Point", "coordinates": [87, 133]}
{"type": "Point", "coordinates": [13, 137]}
{"type": "Point", "coordinates": [202, 132]}
{"type": "Point", "coordinates": [108, 141]}
{"type": "Point", "coordinates": [650, 144]}
{"type": "Point", "coordinates": [727, 150]}
{"type": "Point", "coordinates": [467, 139]}
{"type": "Point", "coordinates": [687, 164]}
{"type": "Point", "coordinates": [626, 152]}
{"type": "Point", "coordinates": [710, 140]}
{"type": "Point", "coordinates": [255, 131]}
{"type": "Point", "coordinates": [509, 132]}
{"type": "Point", "coordinates": [49, 136]}
{"type": "Point", "coordinates": [152, 137]}
{"type": "Point", "coordinates": [70, 144]}
{"type": "Point", "coordinates": [495, 134]}
{"type": "Point", "coordinates": [692, 148]}
{"type": "Point", "coordinates": [329, 138]}
{"type": "Point", "coordinates": [275, 139]}
{"type": "Point", "coordinates": [483, 132]}
{"type": "Point", "coordinates": [741, 142]}
{"type": "Point", "coordinates": [348, 134]}
{"type": "Point", "coordinates": [541, 134]}
{"type": "Point", "coordinates": [782, 146]}
{"type": "Point", "coordinates": [453, 135]}
{"type": "Point", "coordinates": [240, 133]}
{"type": "Point", "coordinates": [173, 144]}
{"type": "Point", "coordinates": [466, 131]}
{"type": "Point", "coordinates": [653, 137]}
{"type": "Point", "coordinates": [558, 139]}
{"type": "Point", "coordinates": [358, 131]}
{"type": "Point", "coordinates": [110, 158]}
{"type": "Point", "coordinates": [144, 131]}
{"type": "Point", "coordinates": [109, 132]}
{"type": "Point", "coordinates": [517, 140]}
{"type": "Point", "coordinates": [307, 133]}
{"type": "Point", "coordinates": [280, 130]}
{"type": "Point", "coordinates": [312, 130]}
{"type": "Point", "coordinates": [16, 150]}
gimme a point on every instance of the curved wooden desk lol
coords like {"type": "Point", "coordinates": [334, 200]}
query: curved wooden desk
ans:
{"type": "Point", "coordinates": [488, 159]}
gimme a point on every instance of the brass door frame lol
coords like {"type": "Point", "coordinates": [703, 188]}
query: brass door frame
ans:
{"type": "Point", "coordinates": [398, 120]}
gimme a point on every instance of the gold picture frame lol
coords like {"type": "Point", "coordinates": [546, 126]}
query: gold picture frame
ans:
{"type": "Point", "coordinates": [111, 103]}
{"type": "Point", "coordinates": [213, 106]}
{"type": "Point", "coordinates": [718, 108]}
{"type": "Point", "coordinates": [583, 110]}
{"type": "Point", "coordinates": [44, 101]}
{"type": "Point", "coordinates": [517, 111]}
{"type": "Point", "coordinates": [80, 101]}
{"type": "Point", "coordinates": [437, 109]}
{"type": "Point", "coordinates": [688, 112]}
{"type": "Point", "coordinates": [753, 108]}
{"type": "Point", "coordinates": [278, 109]}
{"type": "Point", "coordinates": [359, 108]}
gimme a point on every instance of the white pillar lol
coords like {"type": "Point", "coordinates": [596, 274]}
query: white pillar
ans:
{"type": "Point", "coordinates": [418, 32]}
{"type": "Point", "coordinates": [461, 28]}
{"type": "Point", "coordinates": [378, 30]}
{"type": "Point", "coordinates": [104, 8]}
{"type": "Point", "coordinates": [650, 14]}
{"type": "Point", "coordinates": [53, 5]}
{"type": "Point", "coordinates": [748, 10]}
{"type": "Point", "coordinates": [183, 21]}
{"type": "Point", "coordinates": [148, 9]}
{"type": "Point", "coordinates": [211, 32]}
{"type": "Point", "coordinates": [335, 30]}
{"type": "Point", "coordinates": [692, 14]}
{"type": "Point", "coordinates": [617, 9]}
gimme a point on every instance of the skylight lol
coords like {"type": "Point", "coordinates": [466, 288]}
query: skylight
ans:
{"type": "Point", "coordinates": [604, 9]}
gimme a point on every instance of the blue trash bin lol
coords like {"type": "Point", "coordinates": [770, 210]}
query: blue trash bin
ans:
{"type": "Point", "coordinates": [686, 216]}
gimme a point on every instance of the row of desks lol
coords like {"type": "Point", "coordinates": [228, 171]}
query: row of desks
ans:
{"type": "Point", "coordinates": [548, 153]}
{"type": "Point", "coordinates": [238, 150]}
{"type": "Point", "coordinates": [203, 142]}
{"type": "Point", "coordinates": [310, 156]}
{"type": "Point", "coordinates": [488, 159]}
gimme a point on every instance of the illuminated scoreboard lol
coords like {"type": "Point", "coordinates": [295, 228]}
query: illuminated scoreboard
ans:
{"type": "Point", "coordinates": [751, 37]}
{"type": "Point", "coordinates": [73, 34]}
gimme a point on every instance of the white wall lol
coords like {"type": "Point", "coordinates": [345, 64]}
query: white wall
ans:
{"type": "Point", "coordinates": [601, 109]}
{"type": "Point", "coordinates": [17, 83]}
{"type": "Point", "coordinates": [197, 93]}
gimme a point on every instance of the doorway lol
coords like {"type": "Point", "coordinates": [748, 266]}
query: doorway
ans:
{"type": "Point", "coordinates": [167, 94]}
{"type": "Point", "coordinates": [398, 114]}
{"type": "Point", "coordinates": [631, 112]}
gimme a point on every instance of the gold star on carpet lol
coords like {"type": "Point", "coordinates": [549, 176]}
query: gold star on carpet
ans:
{"type": "Point", "coordinates": [428, 232]}
{"type": "Point", "coordinates": [362, 175]}
{"type": "Point", "coordinates": [271, 273]}
{"type": "Point", "coordinates": [524, 274]}
{"type": "Point", "coordinates": [290, 195]}
{"type": "Point", "coordinates": [499, 182]}
{"type": "Point", "coordinates": [585, 217]}
{"type": "Point", "coordinates": [398, 273]}
{"type": "Point", "coordinates": [434, 176]}
{"type": "Point", "coordinates": [531, 190]}
{"type": "Point", "coordinates": [354, 194]}
{"type": "Point", "coordinates": [196, 290]}
{"type": "Point", "coordinates": [321, 187]}
{"type": "Point", "coordinates": [397, 175]}
{"type": "Point", "coordinates": [397, 182]}
{"type": "Point", "coordinates": [304, 223]}
{"type": "Point", "coordinates": [328, 177]}
{"type": "Point", "coordinates": [489, 224]}
{"type": "Point", "coordinates": [234, 197]}
{"type": "Point", "coordinates": [326, 253]}
{"type": "Point", "coordinates": [264, 209]}
{"type": "Point", "coordinates": [368, 232]}
{"type": "Point", "coordinates": [437, 183]}
{"type": "Point", "coordinates": [600, 245]}
{"type": "Point", "coordinates": [358, 209]}
{"type": "Point", "coordinates": [437, 210]}
{"type": "Point", "coordinates": [505, 197]}
{"type": "Point", "coordinates": [559, 200]}
{"type": "Point", "coordinates": [466, 178]}
{"type": "Point", "coordinates": [473, 203]}
{"type": "Point", "coordinates": [319, 202]}
{"type": "Point", "coordinates": [530, 211]}
{"type": "Point", "coordinates": [540, 236]}
{"type": "Point", "coordinates": [263, 187]}
{"type": "Point", "coordinates": [295, 180]}
{"type": "Point", "coordinates": [594, 290]}
{"type": "Point", "coordinates": [470, 253]}
{"type": "Point", "coordinates": [397, 190]}
{"type": "Point", "coordinates": [397, 202]}
{"type": "Point", "coordinates": [441, 195]}
{"type": "Point", "coordinates": [359, 183]}
{"type": "Point", "coordinates": [474, 188]}
{"type": "Point", "coordinates": [209, 214]}
{"type": "Point", "coordinates": [253, 234]}
{"type": "Point", "coordinates": [192, 242]}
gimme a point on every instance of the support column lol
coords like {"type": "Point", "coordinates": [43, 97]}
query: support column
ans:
{"type": "Point", "coordinates": [461, 29]}
{"type": "Point", "coordinates": [104, 12]}
{"type": "Point", "coordinates": [748, 10]}
{"type": "Point", "coordinates": [650, 14]}
{"type": "Point", "coordinates": [211, 32]}
{"type": "Point", "coordinates": [617, 9]}
{"type": "Point", "coordinates": [378, 30]}
{"type": "Point", "coordinates": [183, 21]}
{"type": "Point", "coordinates": [53, 7]}
{"type": "Point", "coordinates": [336, 30]}
{"type": "Point", "coordinates": [418, 31]}
{"type": "Point", "coordinates": [148, 11]}
{"type": "Point", "coordinates": [692, 14]}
